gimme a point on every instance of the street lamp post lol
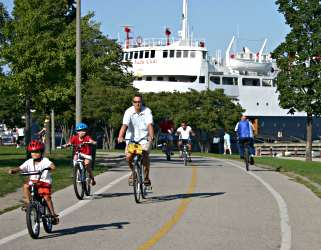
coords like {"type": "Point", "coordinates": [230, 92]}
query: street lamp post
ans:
{"type": "Point", "coordinates": [78, 62]}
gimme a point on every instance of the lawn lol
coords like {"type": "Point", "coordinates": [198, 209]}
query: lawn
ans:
{"type": "Point", "coordinates": [11, 157]}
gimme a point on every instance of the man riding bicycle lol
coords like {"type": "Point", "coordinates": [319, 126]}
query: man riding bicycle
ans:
{"type": "Point", "coordinates": [138, 126]}
{"type": "Point", "coordinates": [185, 132]}
{"type": "Point", "coordinates": [166, 132]}
{"type": "Point", "coordinates": [244, 130]}
{"type": "Point", "coordinates": [82, 138]}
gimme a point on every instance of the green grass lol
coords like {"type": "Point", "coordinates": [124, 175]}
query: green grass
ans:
{"type": "Point", "coordinates": [11, 157]}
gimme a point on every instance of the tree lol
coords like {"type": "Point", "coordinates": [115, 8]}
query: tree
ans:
{"type": "Point", "coordinates": [104, 106]}
{"type": "Point", "coordinates": [298, 59]}
{"type": "Point", "coordinates": [34, 54]}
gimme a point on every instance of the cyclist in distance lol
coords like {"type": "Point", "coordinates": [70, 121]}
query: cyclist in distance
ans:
{"type": "Point", "coordinates": [138, 126]}
{"type": "Point", "coordinates": [244, 130]}
{"type": "Point", "coordinates": [166, 127]}
{"type": "Point", "coordinates": [184, 136]}
{"type": "Point", "coordinates": [38, 162]}
{"type": "Point", "coordinates": [82, 138]}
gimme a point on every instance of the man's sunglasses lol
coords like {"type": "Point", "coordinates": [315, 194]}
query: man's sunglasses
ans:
{"type": "Point", "coordinates": [137, 102]}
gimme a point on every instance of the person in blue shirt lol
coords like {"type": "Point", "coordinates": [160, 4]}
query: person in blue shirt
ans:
{"type": "Point", "coordinates": [244, 131]}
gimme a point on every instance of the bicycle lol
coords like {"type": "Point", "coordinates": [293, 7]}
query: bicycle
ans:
{"type": "Point", "coordinates": [37, 209]}
{"type": "Point", "coordinates": [165, 149]}
{"type": "Point", "coordinates": [246, 154]}
{"type": "Point", "coordinates": [81, 180]}
{"type": "Point", "coordinates": [140, 190]}
{"type": "Point", "coordinates": [185, 153]}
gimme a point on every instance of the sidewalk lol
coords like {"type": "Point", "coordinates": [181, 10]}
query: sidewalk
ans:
{"type": "Point", "coordinates": [14, 199]}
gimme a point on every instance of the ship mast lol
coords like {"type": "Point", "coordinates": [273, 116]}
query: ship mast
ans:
{"type": "Point", "coordinates": [184, 32]}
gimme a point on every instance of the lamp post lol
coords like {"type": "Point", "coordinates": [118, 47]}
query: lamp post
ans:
{"type": "Point", "coordinates": [78, 62]}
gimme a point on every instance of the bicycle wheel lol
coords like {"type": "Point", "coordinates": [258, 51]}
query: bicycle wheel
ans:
{"type": "Point", "coordinates": [86, 183]}
{"type": "Point", "coordinates": [33, 222]}
{"type": "Point", "coordinates": [185, 158]}
{"type": "Point", "coordinates": [141, 181]}
{"type": "Point", "coordinates": [136, 185]}
{"type": "Point", "coordinates": [78, 185]}
{"type": "Point", "coordinates": [246, 157]}
{"type": "Point", "coordinates": [47, 220]}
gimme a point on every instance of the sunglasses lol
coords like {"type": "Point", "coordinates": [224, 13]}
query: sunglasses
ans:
{"type": "Point", "coordinates": [137, 102]}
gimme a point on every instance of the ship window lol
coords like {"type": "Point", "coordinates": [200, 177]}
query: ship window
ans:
{"type": "Point", "coordinates": [267, 82]}
{"type": "Point", "coordinates": [160, 78]}
{"type": "Point", "coordinates": [139, 78]}
{"type": "Point", "coordinates": [152, 54]}
{"type": "Point", "coordinates": [126, 56]}
{"type": "Point", "coordinates": [165, 53]}
{"type": "Point", "coordinates": [192, 55]}
{"type": "Point", "coordinates": [131, 55]}
{"type": "Point", "coordinates": [135, 54]}
{"type": "Point", "coordinates": [202, 79]}
{"type": "Point", "coordinates": [185, 53]}
{"type": "Point", "coordinates": [274, 83]}
{"type": "Point", "coordinates": [229, 80]}
{"type": "Point", "coordinates": [149, 78]}
{"type": "Point", "coordinates": [204, 55]}
{"type": "Point", "coordinates": [215, 79]}
{"type": "Point", "coordinates": [178, 53]}
{"type": "Point", "coordinates": [171, 79]}
{"type": "Point", "coordinates": [171, 53]}
{"type": "Point", "coordinates": [147, 54]}
{"type": "Point", "coordinates": [251, 82]}
{"type": "Point", "coordinates": [141, 54]}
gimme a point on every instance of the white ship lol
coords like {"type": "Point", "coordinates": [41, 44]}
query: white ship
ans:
{"type": "Point", "coordinates": [182, 64]}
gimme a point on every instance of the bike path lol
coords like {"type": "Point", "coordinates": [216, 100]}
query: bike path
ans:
{"type": "Point", "coordinates": [211, 204]}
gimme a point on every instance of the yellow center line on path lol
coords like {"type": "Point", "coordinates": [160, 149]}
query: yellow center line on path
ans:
{"type": "Point", "coordinates": [175, 218]}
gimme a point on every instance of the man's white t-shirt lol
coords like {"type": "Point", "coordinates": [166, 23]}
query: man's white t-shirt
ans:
{"type": "Point", "coordinates": [137, 123]}
{"type": "Point", "coordinates": [29, 166]}
{"type": "Point", "coordinates": [184, 134]}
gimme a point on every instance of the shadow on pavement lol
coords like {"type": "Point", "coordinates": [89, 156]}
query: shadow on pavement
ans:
{"type": "Point", "coordinates": [181, 196]}
{"type": "Point", "coordinates": [110, 195]}
{"type": "Point", "coordinates": [87, 228]}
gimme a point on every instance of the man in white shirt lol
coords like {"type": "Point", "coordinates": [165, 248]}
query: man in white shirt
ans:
{"type": "Point", "coordinates": [184, 132]}
{"type": "Point", "coordinates": [138, 126]}
{"type": "Point", "coordinates": [227, 143]}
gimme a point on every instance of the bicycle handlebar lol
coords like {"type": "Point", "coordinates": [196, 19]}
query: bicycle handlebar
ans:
{"type": "Point", "coordinates": [35, 172]}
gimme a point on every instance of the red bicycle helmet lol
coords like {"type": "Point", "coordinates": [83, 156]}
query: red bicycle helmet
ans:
{"type": "Point", "coordinates": [35, 146]}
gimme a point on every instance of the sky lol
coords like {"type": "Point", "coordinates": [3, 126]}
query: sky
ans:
{"type": "Point", "coordinates": [215, 21]}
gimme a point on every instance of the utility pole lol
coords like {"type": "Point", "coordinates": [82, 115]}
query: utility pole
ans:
{"type": "Point", "coordinates": [78, 62]}
{"type": "Point", "coordinates": [53, 137]}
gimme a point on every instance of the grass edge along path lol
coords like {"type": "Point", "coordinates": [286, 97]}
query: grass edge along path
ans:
{"type": "Point", "coordinates": [306, 173]}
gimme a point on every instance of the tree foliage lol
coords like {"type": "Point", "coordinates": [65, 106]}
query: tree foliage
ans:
{"type": "Point", "coordinates": [299, 60]}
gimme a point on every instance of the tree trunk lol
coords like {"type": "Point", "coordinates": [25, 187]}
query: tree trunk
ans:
{"type": "Point", "coordinates": [308, 152]}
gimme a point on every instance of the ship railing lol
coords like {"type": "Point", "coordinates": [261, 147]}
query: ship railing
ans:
{"type": "Point", "coordinates": [154, 42]}
{"type": "Point", "coordinates": [265, 58]}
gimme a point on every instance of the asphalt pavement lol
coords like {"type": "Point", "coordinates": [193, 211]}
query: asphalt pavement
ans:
{"type": "Point", "coordinates": [210, 204]}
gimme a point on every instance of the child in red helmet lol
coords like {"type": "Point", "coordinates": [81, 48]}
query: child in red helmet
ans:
{"type": "Point", "coordinates": [37, 163]}
{"type": "Point", "coordinates": [82, 138]}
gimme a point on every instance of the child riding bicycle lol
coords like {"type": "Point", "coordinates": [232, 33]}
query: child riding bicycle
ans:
{"type": "Point", "coordinates": [83, 140]}
{"type": "Point", "coordinates": [38, 162]}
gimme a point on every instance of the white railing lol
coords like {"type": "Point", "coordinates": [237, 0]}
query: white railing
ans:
{"type": "Point", "coordinates": [154, 42]}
